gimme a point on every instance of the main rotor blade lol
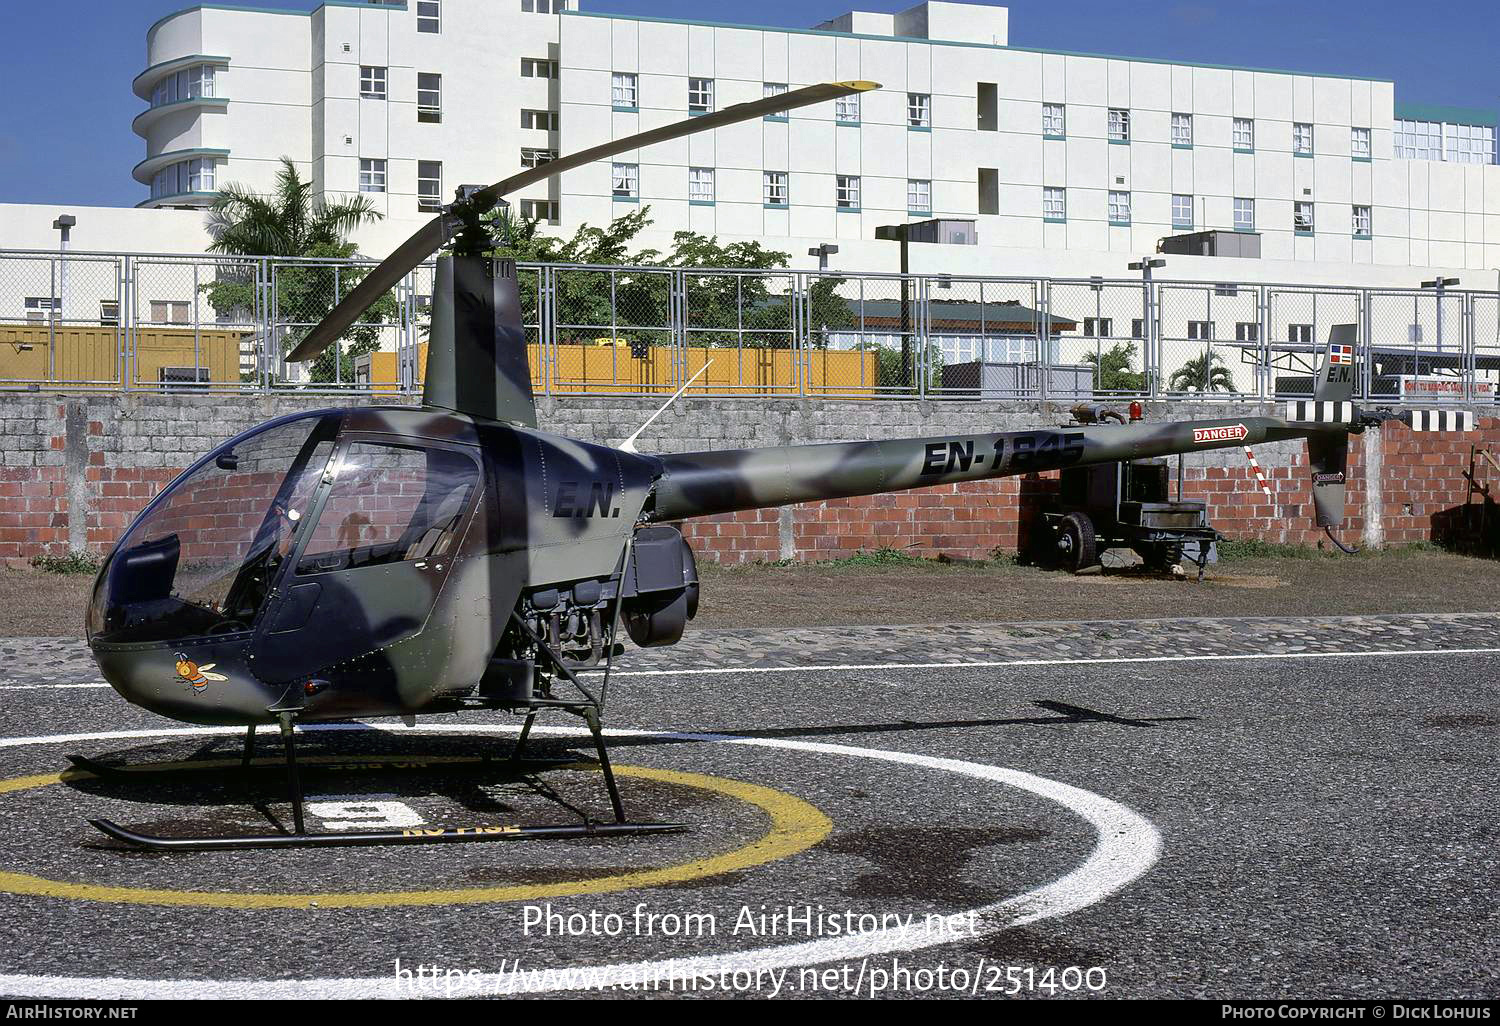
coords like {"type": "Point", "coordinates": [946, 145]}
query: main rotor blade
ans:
{"type": "Point", "coordinates": [410, 254]}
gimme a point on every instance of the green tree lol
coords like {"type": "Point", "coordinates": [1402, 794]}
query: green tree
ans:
{"type": "Point", "coordinates": [292, 221]}
{"type": "Point", "coordinates": [588, 301]}
{"type": "Point", "coordinates": [1112, 371]}
{"type": "Point", "coordinates": [1203, 373]}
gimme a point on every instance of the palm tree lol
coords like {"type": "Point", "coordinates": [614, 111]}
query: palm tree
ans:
{"type": "Point", "coordinates": [290, 221]}
{"type": "Point", "coordinates": [1203, 373]}
{"type": "Point", "coordinates": [293, 221]}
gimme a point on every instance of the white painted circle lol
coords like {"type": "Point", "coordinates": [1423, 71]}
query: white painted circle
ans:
{"type": "Point", "coordinates": [1127, 846]}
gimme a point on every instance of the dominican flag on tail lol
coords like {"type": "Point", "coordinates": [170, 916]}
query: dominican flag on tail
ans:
{"type": "Point", "coordinates": [1439, 420]}
{"type": "Point", "coordinates": [1317, 411]}
{"type": "Point", "coordinates": [1338, 354]}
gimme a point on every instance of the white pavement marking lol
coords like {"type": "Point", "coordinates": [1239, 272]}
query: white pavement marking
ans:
{"type": "Point", "coordinates": [1127, 845]}
{"type": "Point", "coordinates": [1378, 653]}
{"type": "Point", "coordinates": [1080, 661]}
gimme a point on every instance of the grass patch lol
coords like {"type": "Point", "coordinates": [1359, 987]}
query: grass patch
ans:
{"type": "Point", "coordinates": [1243, 549]}
{"type": "Point", "coordinates": [72, 563]}
{"type": "Point", "coordinates": [878, 559]}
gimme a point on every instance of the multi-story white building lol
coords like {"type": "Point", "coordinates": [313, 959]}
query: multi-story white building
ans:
{"type": "Point", "coordinates": [1067, 162]}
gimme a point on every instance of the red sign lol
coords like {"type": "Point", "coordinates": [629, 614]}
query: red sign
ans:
{"type": "Point", "coordinates": [1228, 433]}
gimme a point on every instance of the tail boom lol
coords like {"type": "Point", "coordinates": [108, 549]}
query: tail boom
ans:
{"type": "Point", "coordinates": [704, 483]}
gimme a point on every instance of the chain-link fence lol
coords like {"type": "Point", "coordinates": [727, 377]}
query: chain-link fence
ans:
{"type": "Point", "coordinates": [226, 324]}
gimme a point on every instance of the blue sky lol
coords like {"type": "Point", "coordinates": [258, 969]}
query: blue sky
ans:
{"type": "Point", "coordinates": [65, 127]}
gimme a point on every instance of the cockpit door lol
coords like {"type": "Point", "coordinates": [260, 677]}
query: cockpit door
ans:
{"type": "Point", "coordinates": [369, 565]}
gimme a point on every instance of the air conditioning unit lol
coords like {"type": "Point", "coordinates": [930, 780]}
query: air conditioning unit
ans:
{"type": "Point", "coordinates": [172, 378]}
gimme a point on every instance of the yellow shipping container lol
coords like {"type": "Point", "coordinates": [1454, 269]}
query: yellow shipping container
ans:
{"type": "Point", "coordinates": [608, 366]}
{"type": "Point", "coordinates": [88, 354]}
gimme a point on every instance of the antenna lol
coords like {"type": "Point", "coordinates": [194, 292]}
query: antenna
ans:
{"type": "Point", "coordinates": [629, 444]}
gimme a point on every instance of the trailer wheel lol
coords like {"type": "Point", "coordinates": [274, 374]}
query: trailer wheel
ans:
{"type": "Point", "coordinates": [1075, 542]}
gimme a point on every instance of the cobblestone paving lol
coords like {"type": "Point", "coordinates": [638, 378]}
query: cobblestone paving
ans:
{"type": "Point", "coordinates": [40, 661]}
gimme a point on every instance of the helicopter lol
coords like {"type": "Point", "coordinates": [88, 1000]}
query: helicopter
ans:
{"type": "Point", "coordinates": [368, 562]}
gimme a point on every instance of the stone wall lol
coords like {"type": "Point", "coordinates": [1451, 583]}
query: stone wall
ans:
{"type": "Point", "coordinates": [75, 469]}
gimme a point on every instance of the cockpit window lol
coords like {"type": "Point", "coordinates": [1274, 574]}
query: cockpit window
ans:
{"type": "Point", "coordinates": [390, 504]}
{"type": "Point", "coordinates": [201, 561]}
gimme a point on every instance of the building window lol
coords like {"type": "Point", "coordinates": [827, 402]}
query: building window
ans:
{"type": "Point", "coordinates": [185, 176]}
{"type": "Point", "coordinates": [1302, 217]}
{"type": "Point", "coordinates": [1200, 331]}
{"type": "Point", "coordinates": [1244, 215]}
{"type": "Point", "coordinates": [1244, 134]}
{"type": "Point", "coordinates": [1469, 144]}
{"type": "Point", "coordinates": [700, 95]}
{"type": "Point", "coordinates": [1137, 327]}
{"type": "Point", "coordinates": [1182, 130]}
{"type": "Point", "coordinates": [538, 67]}
{"type": "Point", "coordinates": [846, 109]}
{"type": "Point", "coordinates": [1119, 208]}
{"type": "Point", "coordinates": [542, 120]}
{"type": "Point", "coordinates": [774, 89]}
{"type": "Point", "coordinates": [846, 192]}
{"type": "Point", "coordinates": [1054, 204]}
{"type": "Point", "coordinates": [541, 6]}
{"type": "Point", "coordinates": [371, 83]}
{"type": "Point", "coordinates": [1419, 140]}
{"type": "Point", "coordinates": [700, 184]}
{"type": "Point", "coordinates": [1098, 327]}
{"type": "Point", "coordinates": [1364, 222]}
{"type": "Point", "coordinates": [1302, 138]}
{"type": "Point", "coordinates": [429, 16]}
{"type": "Point", "coordinates": [625, 181]}
{"type": "Point", "coordinates": [539, 210]}
{"type": "Point", "coordinates": [1119, 125]}
{"type": "Point", "coordinates": [429, 185]}
{"type": "Point", "coordinates": [200, 175]}
{"type": "Point", "coordinates": [774, 188]}
{"type": "Point", "coordinates": [918, 196]}
{"type": "Point", "coordinates": [371, 175]}
{"type": "Point", "coordinates": [169, 311]}
{"type": "Point", "coordinates": [1054, 120]}
{"type": "Point", "coordinates": [1182, 211]}
{"type": "Point", "coordinates": [187, 84]}
{"type": "Point", "coordinates": [623, 91]}
{"type": "Point", "coordinates": [536, 156]}
{"type": "Point", "coordinates": [429, 97]}
{"type": "Point", "coordinates": [918, 110]}
{"type": "Point", "coordinates": [1359, 142]}
{"type": "Point", "coordinates": [1299, 333]}
{"type": "Point", "coordinates": [1246, 331]}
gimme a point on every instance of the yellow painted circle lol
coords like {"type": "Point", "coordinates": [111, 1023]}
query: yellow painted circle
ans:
{"type": "Point", "coordinates": [795, 826]}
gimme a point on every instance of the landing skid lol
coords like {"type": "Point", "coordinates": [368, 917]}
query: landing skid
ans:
{"type": "Point", "coordinates": [589, 709]}
{"type": "Point", "coordinates": [445, 835]}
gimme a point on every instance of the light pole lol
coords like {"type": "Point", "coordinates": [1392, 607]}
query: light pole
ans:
{"type": "Point", "coordinates": [1153, 358]}
{"type": "Point", "coordinates": [823, 252]}
{"type": "Point", "coordinates": [1438, 285]}
{"type": "Point", "coordinates": [64, 225]}
{"type": "Point", "coordinates": [902, 233]}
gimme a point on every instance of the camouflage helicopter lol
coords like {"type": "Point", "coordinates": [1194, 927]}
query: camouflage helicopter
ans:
{"type": "Point", "coordinates": [383, 561]}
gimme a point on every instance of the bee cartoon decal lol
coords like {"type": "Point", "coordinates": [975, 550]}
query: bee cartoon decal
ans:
{"type": "Point", "coordinates": [197, 676]}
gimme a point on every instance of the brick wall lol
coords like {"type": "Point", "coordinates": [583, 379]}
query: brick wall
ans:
{"type": "Point", "coordinates": [74, 471]}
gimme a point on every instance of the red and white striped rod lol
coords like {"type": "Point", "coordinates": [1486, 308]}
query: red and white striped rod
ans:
{"type": "Point", "coordinates": [1260, 475]}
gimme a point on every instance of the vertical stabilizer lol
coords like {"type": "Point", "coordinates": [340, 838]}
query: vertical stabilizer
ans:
{"type": "Point", "coordinates": [1328, 453]}
{"type": "Point", "coordinates": [476, 352]}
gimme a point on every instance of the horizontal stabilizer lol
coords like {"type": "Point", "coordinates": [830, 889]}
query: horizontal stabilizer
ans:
{"type": "Point", "coordinates": [1439, 420]}
{"type": "Point", "coordinates": [1317, 411]}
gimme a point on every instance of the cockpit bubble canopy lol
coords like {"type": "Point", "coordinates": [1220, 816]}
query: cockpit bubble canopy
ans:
{"type": "Point", "coordinates": [201, 558]}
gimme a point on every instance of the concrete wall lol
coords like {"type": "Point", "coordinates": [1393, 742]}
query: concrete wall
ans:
{"type": "Point", "coordinates": [74, 471]}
